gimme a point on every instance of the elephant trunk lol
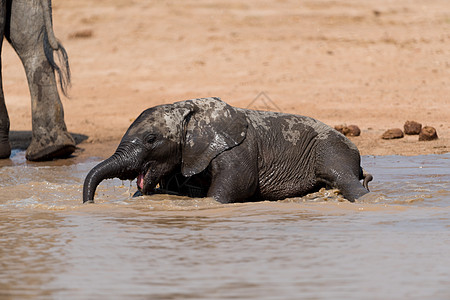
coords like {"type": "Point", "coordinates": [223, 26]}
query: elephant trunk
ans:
{"type": "Point", "coordinates": [117, 166]}
{"type": "Point", "coordinates": [104, 170]}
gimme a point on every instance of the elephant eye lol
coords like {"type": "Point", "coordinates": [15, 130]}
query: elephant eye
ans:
{"type": "Point", "coordinates": [150, 138]}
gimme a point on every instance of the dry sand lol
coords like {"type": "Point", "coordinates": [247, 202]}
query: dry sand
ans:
{"type": "Point", "coordinates": [375, 64]}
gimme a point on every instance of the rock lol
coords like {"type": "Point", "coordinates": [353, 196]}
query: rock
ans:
{"type": "Point", "coordinates": [428, 133]}
{"type": "Point", "coordinates": [340, 128]}
{"type": "Point", "coordinates": [350, 130]}
{"type": "Point", "coordinates": [390, 134]}
{"type": "Point", "coordinates": [412, 127]}
{"type": "Point", "coordinates": [353, 130]}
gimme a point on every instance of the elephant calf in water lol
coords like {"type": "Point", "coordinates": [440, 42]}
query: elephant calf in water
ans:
{"type": "Point", "coordinates": [231, 154]}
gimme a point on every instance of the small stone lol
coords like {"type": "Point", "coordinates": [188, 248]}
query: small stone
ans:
{"type": "Point", "coordinates": [350, 130]}
{"type": "Point", "coordinates": [428, 133]}
{"type": "Point", "coordinates": [340, 128]}
{"type": "Point", "coordinates": [395, 133]}
{"type": "Point", "coordinates": [353, 130]}
{"type": "Point", "coordinates": [412, 127]}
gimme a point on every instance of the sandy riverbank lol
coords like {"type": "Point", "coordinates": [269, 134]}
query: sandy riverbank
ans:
{"type": "Point", "coordinates": [375, 64]}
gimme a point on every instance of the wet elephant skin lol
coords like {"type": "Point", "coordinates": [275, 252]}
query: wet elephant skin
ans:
{"type": "Point", "coordinates": [231, 154]}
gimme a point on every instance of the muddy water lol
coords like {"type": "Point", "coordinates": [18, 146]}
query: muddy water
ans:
{"type": "Point", "coordinates": [394, 244]}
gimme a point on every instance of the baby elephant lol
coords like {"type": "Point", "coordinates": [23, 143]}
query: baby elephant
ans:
{"type": "Point", "coordinates": [205, 147]}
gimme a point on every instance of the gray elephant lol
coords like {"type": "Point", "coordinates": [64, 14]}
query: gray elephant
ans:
{"type": "Point", "coordinates": [231, 154]}
{"type": "Point", "coordinates": [27, 25]}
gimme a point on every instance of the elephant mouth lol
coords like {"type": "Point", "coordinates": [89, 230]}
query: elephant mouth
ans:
{"type": "Point", "coordinates": [145, 183]}
{"type": "Point", "coordinates": [140, 181]}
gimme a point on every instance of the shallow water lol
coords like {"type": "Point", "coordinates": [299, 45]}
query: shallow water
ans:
{"type": "Point", "coordinates": [394, 244]}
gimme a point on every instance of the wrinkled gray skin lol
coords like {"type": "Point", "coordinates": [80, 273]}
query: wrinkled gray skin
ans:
{"type": "Point", "coordinates": [27, 25]}
{"type": "Point", "coordinates": [233, 154]}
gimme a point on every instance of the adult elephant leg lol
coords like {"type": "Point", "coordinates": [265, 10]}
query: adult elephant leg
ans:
{"type": "Point", "coordinates": [27, 35]}
{"type": "Point", "coordinates": [5, 147]}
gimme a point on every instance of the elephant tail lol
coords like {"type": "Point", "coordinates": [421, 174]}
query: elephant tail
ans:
{"type": "Point", "coordinates": [52, 44]}
{"type": "Point", "coordinates": [367, 177]}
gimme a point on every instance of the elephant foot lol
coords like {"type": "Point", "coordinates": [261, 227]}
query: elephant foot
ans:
{"type": "Point", "coordinates": [5, 149]}
{"type": "Point", "coordinates": [48, 148]}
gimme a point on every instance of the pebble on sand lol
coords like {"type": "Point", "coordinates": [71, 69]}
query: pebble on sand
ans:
{"type": "Point", "coordinates": [428, 133]}
{"type": "Point", "coordinates": [395, 133]}
{"type": "Point", "coordinates": [412, 127]}
{"type": "Point", "coordinates": [350, 130]}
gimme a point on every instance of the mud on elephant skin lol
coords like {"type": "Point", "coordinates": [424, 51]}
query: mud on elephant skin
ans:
{"type": "Point", "coordinates": [27, 26]}
{"type": "Point", "coordinates": [231, 154]}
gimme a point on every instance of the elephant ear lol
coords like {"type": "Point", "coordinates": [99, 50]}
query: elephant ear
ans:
{"type": "Point", "coordinates": [212, 128]}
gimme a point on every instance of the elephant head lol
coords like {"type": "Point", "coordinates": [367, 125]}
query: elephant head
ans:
{"type": "Point", "coordinates": [184, 136]}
